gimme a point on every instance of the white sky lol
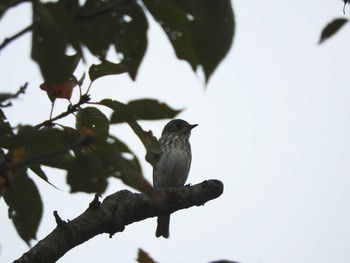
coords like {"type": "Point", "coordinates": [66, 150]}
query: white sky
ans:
{"type": "Point", "coordinates": [274, 126]}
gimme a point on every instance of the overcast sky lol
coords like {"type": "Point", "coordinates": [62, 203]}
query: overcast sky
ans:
{"type": "Point", "coordinates": [274, 126]}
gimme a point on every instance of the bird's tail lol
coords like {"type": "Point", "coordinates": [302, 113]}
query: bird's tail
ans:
{"type": "Point", "coordinates": [163, 226]}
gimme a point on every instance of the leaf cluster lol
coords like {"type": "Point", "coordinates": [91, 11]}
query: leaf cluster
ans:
{"type": "Point", "coordinates": [200, 32]}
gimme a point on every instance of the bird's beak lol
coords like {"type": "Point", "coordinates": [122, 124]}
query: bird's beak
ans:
{"type": "Point", "coordinates": [191, 126]}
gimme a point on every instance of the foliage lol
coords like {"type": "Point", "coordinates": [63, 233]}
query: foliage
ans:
{"type": "Point", "coordinates": [201, 33]}
{"type": "Point", "coordinates": [334, 26]}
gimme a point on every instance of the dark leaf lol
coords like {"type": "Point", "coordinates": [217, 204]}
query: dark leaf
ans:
{"type": "Point", "coordinates": [332, 28]}
{"type": "Point", "coordinates": [143, 257]}
{"type": "Point", "coordinates": [25, 206]}
{"type": "Point", "coordinates": [49, 43]}
{"type": "Point", "coordinates": [131, 37]}
{"type": "Point", "coordinates": [92, 122]}
{"type": "Point", "coordinates": [146, 109]}
{"type": "Point", "coordinates": [48, 146]}
{"type": "Point", "coordinates": [106, 68]}
{"type": "Point", "coordinates": [5, 127]}
{"type": "Point", "coordinates": [128, 169]}
{"type": "Point", "coordinates": [212, 31]}
{"type": "Point", "coordinates": [148, 140]}
{"type": "Point", "coordinates": [97, 30]}
{"type": "Point", "coordinates": [36, 168]}
{"type": "Point", "coordinates": [176, 25]}
{"type": "Point", "coordinates": [88, 173]}
{"type": "Point", "coordinates": [201, 31]}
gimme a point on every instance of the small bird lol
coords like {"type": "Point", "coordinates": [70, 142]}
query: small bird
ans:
{"type": "Point", "coordinates": [173, 166]}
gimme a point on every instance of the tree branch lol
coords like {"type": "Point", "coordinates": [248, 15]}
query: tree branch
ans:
{"type": "Point", "coordinates": [113, 214]}
{"type": "Point", "coordinates": [8, 40]}
{"type": "Point", "coordinates": [71, 109]}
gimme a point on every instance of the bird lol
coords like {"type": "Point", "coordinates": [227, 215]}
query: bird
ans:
{"type": "Point", "coordinates": [173, 165]}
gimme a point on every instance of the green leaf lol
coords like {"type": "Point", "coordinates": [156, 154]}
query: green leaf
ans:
{"type": "Point", "coordinates": [200, 31]}
{"type": "Point", "coordinates": [212, 30]}
{"type": "Point", "coordinates": [88, 173]}
{"type": "Point", "coordinates": [49, 45]}
{"type": "Point", "coordinates": [332, 28]}
{"type": "Point", "coordinates": [146, 109]}
{"type": "Point", "coordinates": [98, 22]}
{"type": "Point", "coordinates": [36, 168]}
{"type": "Point", "coordinates": [25, 205]}
{"type": "Point", "coordinates": [131, 37]}
{"type": "Point", "coordinates": [106, 68]}
{"type": "Point", "coordinates": [148, 140]}
{"type": "Point", "coordinates": [91, 119]}
{"type": "Point", "coordinates": [5, 127]}
{"type": "Point", "coordinates": [48, 147]}
{"type": "Point", "coordinates": [176, 25]}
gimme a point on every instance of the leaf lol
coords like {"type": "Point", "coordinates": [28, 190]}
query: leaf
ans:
{"type": "Point", "coordinates": [61, 90]}
{"type": "Point", "coordinates": [48, 146]}
{"type": "Point", "coordinates": [36, 168]}
{"type": "Point", "coordinates": [212, 30]}
{"type": "Point", "coordinates": [143, 257]}
{"type": "Point", "coordinates": [176, 25]}
{"type": "Point", "coordinates": [91, 121]}
{"type": "Point", "coordinates": [131, 37]}
{"type": "Point", "coordinates": [200, 31]}
{"type": "Point", "coordinates": [148, 140]}
{"type": "Point", "coordinates": [88, 173]}
{"type": "Point", "coordinates": [25, 205]}
{"type": "Point", "coordinates": [106, 68]}
{"type": "Point", "coordinates": [49, 45]}
{"type": "Point", "coordinates": [128, 169]}
{"type": "Point", "coordinates": [332, 28]}
{"type": "Point", "coordinates": [5, 127]}
{"type": "Point", "coordinates": [97, 30]}
{"type": "Point", "coordinates": [146, 109]}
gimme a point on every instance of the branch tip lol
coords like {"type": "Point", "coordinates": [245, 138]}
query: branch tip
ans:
{"type": "Point", "coordinates": [58, 219]}
{"type": "Point", "coordinates": [95, 203]}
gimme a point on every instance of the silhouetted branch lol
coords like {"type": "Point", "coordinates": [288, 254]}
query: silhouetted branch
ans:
{"type": "Point", "coordinates": [113, 214]}
{"type": "Point", "coordinates": [7, 96]}
{"type": "Point", "coordinates": [8, 40]}
{"type": "Point", "coordinates": [71, 109]}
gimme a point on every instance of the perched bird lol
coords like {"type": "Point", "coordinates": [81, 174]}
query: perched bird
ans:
{"type": "Point", "coordinates": [173, 166]}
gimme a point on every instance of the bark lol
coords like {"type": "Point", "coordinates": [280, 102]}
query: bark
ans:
{"type": "Point", "coordinates": [113, 214]}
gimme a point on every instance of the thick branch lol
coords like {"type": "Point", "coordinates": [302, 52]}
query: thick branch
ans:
{"type": "Point", "coordinates": [113, 214]}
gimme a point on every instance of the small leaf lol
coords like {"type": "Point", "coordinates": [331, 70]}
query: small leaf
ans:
{"type": "Point", "coordinates": [106, 68]}
{"type": "Point", "coordinates": [91, 121]}
{"type": "Point", "coordinates": [25, 205]}
{"type": "Point", "coordinates": [143, 257]}
{"type": "Point", "coordinates": [5, 127]}
{"type": "Point", "coordinates": [36, 168]}
{"type": "Point", "coordinates": [61, 90]}
{"type": "Point", "coordinates": [332, 28]}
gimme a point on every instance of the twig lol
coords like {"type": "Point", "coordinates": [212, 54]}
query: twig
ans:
{"type": "Point", "coordinates": [71, 109]}
{"type": "Point", "coordinates": [10, 39]}
{"type": "Point", "coordinates": [7, 96]}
